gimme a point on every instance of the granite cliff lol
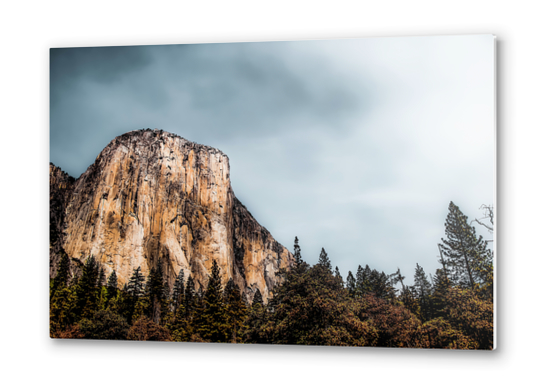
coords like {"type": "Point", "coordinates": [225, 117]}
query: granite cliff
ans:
{"type": "Point", "coordinates": [153, 196]}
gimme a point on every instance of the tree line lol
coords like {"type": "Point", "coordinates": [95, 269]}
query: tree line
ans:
{"type": "Point", "coordinates": [312, 305]}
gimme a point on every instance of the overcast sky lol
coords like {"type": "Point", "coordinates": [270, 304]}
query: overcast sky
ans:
{"type": "Point", "coordinates": [354, 145]}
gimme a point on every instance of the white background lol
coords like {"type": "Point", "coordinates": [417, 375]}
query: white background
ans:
{"type": "Point", "coordinates": [28, 29]}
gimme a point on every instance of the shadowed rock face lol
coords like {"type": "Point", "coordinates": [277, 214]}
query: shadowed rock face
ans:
{"type": "Point", "coordinates": [152, 195]}
{"type": "Point", "coordinates": [60, 188]}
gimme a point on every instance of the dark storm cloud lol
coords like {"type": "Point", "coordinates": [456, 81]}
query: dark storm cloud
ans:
{"type": "Point", "coordinates": [100, 64]}
{"type": "Point", "coordinates": [206, 93]}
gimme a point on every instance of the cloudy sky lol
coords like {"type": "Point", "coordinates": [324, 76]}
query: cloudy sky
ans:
{"type": "Point", "coordinates": [354, 145]}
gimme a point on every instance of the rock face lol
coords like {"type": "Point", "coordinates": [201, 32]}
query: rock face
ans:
{"type": "Point", "coordinates": [153, 196]}
{"type": "Point", "coordinates": [60, 187]}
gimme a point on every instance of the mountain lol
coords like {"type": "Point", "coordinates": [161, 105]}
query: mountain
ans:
{"type": "Point", "coordinates": [152, 195]}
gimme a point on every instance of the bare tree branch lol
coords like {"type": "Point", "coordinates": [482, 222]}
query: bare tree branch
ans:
{"type": "Point", "coordinates": [488, 214]}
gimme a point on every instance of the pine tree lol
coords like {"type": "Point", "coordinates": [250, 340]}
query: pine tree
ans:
{"type": "Point", "coordinates": [374, 282]}
{"type": "Point", "coordinates": [155, 290]}
{"type": "Point", "coordinates": [361, 282]}
{"type": "Point", "coordinates": [101, 277]}
{"type": "Point", "coordinates": [235, 310]}
{"type": "Point", "coordinates": [62, 309]}
{"type": "Point", "coordinates": [181, 328]}
{"type": "Point", "coordinates": [351, 284]}
{"type": "Point", "coordinates": [136, 283]}
{"type": "Point", "coordinates": [135, 304]}
{"type": "Point", "coordinates": [178, 290]}
{"type": "Point", "coordinates": [382, 286]}
{"type": "Point", "coordinates": [258, 299]}
{"type": "Point", "coordinates": [253, 330]}
{"type": "Point", "coordinates": [339, 277]}
{"type": "Point", "coordinates": [422, 291]}
{"type": "Point", "coordinates": [111, 290]}
{"type": "Point", "coordinates": [408, 299]}
{"type": "Point", "coordinates": [366, 280]}
{"type": "Point", "coordinates": [63, 299]}
{"type": "Point", "coordinates": [62, 273]}
{"type": "Point", "coordinates": [87, 289]}
{"type": "Point", "coordinates": [465, 255]}
{"type": "Point", "coordinates": [189, 297]}
{"type": "Point", "coordinates": [112, 285]}
{"type": "Point", "coordinates": [297, 253]}
{"type": "Point", "coordinates": [324, 260]}
{"type": "Point", "coordinates": [196, 316]}
{"type": "Point", "coordinates": [441, 286]}
{"type": "Point", "coordinates": [213, 322]}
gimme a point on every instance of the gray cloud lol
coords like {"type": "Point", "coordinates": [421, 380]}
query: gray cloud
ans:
{"type": "Point", "coordinates": [206, 93]}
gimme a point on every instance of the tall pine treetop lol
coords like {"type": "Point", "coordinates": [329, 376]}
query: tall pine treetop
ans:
{"type": "Point", "coordinates": [463, 253]}
{"type": "Point", "coordinates": [112, 282]}
{"type": "Point", "coordinates": [297, 252]}
{"type": "Point", "coordinates": [324, 260]}
{"type": "Point", "coordinates": [136, 283]}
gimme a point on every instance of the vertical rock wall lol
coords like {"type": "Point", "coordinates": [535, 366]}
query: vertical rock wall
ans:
{"type": "Point", "coordinates": [152, 195]}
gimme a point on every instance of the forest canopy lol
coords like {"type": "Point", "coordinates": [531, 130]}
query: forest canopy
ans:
{"type": "Point", "coordinates": [313, 305]}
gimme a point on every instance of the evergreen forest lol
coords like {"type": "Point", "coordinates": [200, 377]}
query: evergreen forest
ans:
{"type": "Point", "coordinates": [451, 308]}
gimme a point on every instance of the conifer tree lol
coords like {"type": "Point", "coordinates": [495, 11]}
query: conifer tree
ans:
{"type": "Point", "coordinates": [213, 322]}
{"type": "Point", "coordinates": [189, 296]}
{"type": "Point", "coordinates": [196, 316]}
{"type": "Point", "coordinates": [112, 285]}
{"type": "Point", "coordinates": [62, 273]}
{"type": "Point", "coordinates": [62, 309]}
{"type": "Point", "coordinates": [382, 285]}
{"type": "Point", "coordinates": [135, 304]}
{"type": "Point", "coordinates": [422, 291]}
{"type": "Point", "coordinates": [367, 280]}
{"type": "Point", "coordinates": [297, 253]}
{"type": "Point", "coordinates": [155, 289]}
{"type": "Point", "coordinates": [441, 286]}
{"type": "Point", "coordinates": [101, 277]}
{"type": "Point", "coordinates": [465, 255]}
{"type": "Point", "coordinates": [257, 298]}
{"type": "Point", "coordinates": [361, 283]}
{"type": "Point", "coordinates": [324, 260]}
{"type": "Point", "coordinates": [136, 284]}
{"type": "Point", "coordinates": [181, 328]}
{"type": "Point", "coordinates": [235, 310]}
{"type": "Point", "coordinates": [87, 292]}
{"type": "Point", "coordinates": [63, 299]}
{"type": "Point", "coordinates": [178, 290]}
{"type": "Point", "coordinates": [111, 291]}
{"type": "Point", "coordinates": [351, 284]}
{"type": "Point", "coordinates": [408, 298]}
{"type": "Point", "coordinates": [254, 326]}
{"type": "Point", "coordinates": [228, 289]}
{"type": "Point", "coordinates": [338, 276]}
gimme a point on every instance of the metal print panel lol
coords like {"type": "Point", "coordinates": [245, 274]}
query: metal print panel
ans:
{"type": "Point", "coordinates": [364, 181]}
